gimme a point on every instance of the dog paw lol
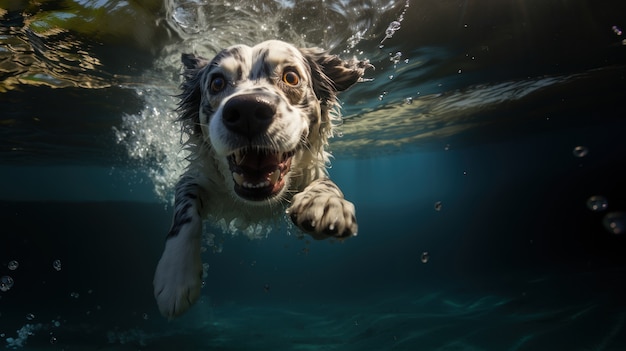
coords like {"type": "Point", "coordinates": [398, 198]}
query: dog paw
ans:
{"type": "Point", "coordinates": [323, 215]}
{"type": "Point", "coordinates": [178, 277]}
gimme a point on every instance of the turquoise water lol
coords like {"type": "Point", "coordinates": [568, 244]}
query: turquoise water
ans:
{"type": "Point", "coordinates": [485, 159]}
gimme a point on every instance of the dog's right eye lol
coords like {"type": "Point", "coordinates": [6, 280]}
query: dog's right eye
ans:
{"type": "Point", "coordinates": [217, 84]}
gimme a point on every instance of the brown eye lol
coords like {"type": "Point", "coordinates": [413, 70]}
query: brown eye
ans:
{"type": "Point", "coordinates": [291, 78]}
{"type": "Point", "coordinates": [218, 84]}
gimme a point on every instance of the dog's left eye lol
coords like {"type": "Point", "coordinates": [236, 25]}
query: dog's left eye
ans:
{"type": "Point", "coordinates": [218, 84]}
{"type": "Point", "coordinates": [291, 78]}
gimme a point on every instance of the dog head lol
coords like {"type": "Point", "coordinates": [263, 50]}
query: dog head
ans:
{"type": "Point", "coordinates": [264, 112]}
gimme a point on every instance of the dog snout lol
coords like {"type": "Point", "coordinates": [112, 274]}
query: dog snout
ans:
{"type": "Point", "coordinates": [248, 115]}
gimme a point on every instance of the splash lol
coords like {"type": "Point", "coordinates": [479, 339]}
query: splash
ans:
{"type": "Point", "coordinates": [153, 139]}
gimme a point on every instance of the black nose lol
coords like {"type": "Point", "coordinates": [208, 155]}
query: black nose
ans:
{"type": "Point", "coordinates": [248, 115]}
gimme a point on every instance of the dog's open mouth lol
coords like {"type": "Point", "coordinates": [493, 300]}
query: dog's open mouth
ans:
{"type": "Point", "coordinates": [259, 174]}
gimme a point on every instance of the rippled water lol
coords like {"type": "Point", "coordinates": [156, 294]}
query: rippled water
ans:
{"type": "Point", "coordinates": [485, 155]}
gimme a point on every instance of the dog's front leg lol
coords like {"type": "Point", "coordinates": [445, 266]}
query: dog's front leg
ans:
{"type": "Point", "coordinates": [321, 210]}
{"type": "Point", "coordinates": [178, 276]}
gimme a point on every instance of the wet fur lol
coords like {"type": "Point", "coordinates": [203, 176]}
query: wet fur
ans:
{"type": "Point", "coordinates": [315, 204]}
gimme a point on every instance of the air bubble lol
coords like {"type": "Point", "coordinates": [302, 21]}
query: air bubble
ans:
{"type": "Point", "coordinates": [56, 265]}
{"type": "Point", "coordinates": [438, 206]}
{"type": "Point", "coordinates": [12, 265]}
{"type": "Point", "coordinates": [615, 222]}
{"type": "Point", "coordinates": [6, 283]}
{"type": "Point", "coordinates": [30, 316]}
{"type": "Point", "coordinates": [425, 257]}
{"type": "Point", "coordinates": [597, 203]}
{"type": "Point", "coordinates": [580, 151]}
{"type": "Point", "coordinates": [53, 340]}
{"type": "Point", "coordinates": [391, 30]}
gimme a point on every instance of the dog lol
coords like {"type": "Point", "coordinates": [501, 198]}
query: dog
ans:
{"type": "Point", "coordinates": [258, 120]}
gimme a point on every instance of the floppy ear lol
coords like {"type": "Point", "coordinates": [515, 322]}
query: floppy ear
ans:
{"type": "Point", "coordinates": [191, 96]}
{"type": "Point", "coordinates": [332, 74]}
{"type": "Point", "coordinates": [192, 61]}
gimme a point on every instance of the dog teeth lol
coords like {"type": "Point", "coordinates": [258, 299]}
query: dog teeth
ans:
{"type": "Point", "coordinates": [238, 156]}
{"type": "Point", "coordinates": [275, 176]}
{"type": "Point", "coordinates": [238, 178]}
{"type": "Point", "coordinates": [249, 185]}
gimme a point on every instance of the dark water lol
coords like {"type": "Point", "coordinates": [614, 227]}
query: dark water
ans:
{"type": "Point", "coordinates": [471, 170]}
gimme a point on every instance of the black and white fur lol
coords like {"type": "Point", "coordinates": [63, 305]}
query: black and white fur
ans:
{"type": "Point", "coordinates": [258, 120]}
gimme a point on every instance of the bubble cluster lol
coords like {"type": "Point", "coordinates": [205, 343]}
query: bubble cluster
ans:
{"type": "Point", "coordinates": [597, 203]}
{"type": "Point", "coordinates": [425, 257]}
{"type": "Point", "coordinates": [394, 26]}
{"type": "Point", "coordinates": [23, 334]}
{"type": "Point", "coordinates": [6, 283]}
{"type": "Point", "coordinates": [395, 58]}
{"type": "Point", "coordinates": [56, 264]}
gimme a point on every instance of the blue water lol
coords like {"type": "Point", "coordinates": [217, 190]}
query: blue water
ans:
{"type": "Point", "coordinates": [466, 169]}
